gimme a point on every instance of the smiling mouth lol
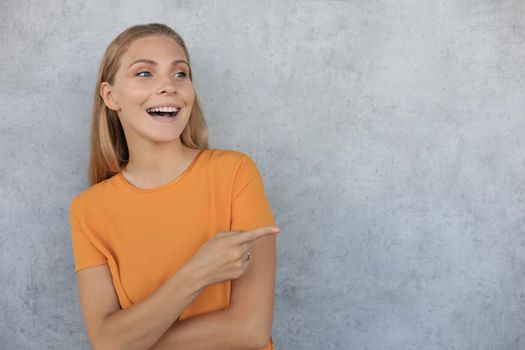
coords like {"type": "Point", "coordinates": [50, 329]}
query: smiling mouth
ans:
{"type": "Point", "coordinates": [164, 114]}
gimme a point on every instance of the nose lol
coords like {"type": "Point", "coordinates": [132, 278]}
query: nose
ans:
{"type": "Point", "coordinates": [167, 86]}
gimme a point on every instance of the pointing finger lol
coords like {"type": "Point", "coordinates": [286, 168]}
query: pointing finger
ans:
{"type": "Point", "coordinates": [257, 233]}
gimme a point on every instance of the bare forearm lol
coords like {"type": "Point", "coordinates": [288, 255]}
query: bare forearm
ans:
{"type": "Point", "coordinates": [141, 325]}
{"type": "Point", "coordinates": [210, 331]}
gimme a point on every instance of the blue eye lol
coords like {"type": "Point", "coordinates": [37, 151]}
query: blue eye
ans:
{"type": "Point", "coordinates": [145, 71]}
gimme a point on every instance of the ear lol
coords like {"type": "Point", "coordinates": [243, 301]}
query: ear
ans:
{"type": "Point", "coordinates": [107, 95]}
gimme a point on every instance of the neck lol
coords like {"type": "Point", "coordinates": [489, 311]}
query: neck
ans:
{"type": "Point", "coordinates": [156, 159]}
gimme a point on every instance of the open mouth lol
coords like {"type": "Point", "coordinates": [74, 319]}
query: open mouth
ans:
{"type": "Point", "coordinates": [163, 112]}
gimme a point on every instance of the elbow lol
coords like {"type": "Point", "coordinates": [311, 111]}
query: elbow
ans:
{"type": "Point", "coordinates": [106, 343]}
{"type": "Point", "coordinates": [255, 330]}
{"type": "Point", "coordinates": [260, 343]}
{"type": "Point", "coordinates": [260, 337]}
{"type": "Point", "coordinates": [114, 344]}
{"type": "Point", "coordinates": [100, 345]}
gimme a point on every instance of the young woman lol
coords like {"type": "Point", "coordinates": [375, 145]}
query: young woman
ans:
{"type": "Point", "coordinates": [174, 242]}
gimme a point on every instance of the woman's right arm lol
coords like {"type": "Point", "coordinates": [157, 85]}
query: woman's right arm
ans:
{"type": "Point", "coordinates": [140, 325]}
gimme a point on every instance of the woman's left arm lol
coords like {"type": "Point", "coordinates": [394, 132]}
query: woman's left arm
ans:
{"type": "Point", "coordinates": [246, 324]}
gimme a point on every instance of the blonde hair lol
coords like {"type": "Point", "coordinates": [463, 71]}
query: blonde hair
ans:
{"type": "Point", "coordinates": [109, 149]}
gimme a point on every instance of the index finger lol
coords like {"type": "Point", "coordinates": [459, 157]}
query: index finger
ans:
{"type": "Point", "coordinates": [257, 233]}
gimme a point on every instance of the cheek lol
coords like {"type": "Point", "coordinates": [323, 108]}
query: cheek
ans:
{"type": "Point", "coordinates": [137, 93]}
{"type": "Point", "coordinates": [190, 93]}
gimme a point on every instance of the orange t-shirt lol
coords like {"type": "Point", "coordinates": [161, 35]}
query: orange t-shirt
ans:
{"type": "Point", "coordinates": [146, 235]}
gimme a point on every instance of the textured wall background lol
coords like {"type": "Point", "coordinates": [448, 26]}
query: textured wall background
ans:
{"type": "Point", "coordinates": [390, 135]}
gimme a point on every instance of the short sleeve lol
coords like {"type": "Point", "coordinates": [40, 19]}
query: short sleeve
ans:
{"type": "Point", "coordinates": [84, 252]}
{"type": "Point", "coordinates": [250, 206]}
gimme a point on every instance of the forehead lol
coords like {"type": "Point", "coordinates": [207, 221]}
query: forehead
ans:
{"type": "Point", "coordinates": [154, 47]}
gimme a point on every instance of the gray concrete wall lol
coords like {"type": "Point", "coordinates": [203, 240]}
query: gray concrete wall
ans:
{"type": "Point", "coordinates": [390, 135]}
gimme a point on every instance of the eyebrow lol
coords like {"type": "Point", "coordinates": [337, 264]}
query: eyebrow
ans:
{"type": "Point", "coordinates": [145, 60]}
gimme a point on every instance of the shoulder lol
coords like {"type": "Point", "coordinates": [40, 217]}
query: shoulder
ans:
{"type": "Point", "coordinates": [229, 160]}
{"type": "Point", "coordinates": [96, 193]}
{"type": "Point", "coordinates": [224, 155]}
{"type": "Point", "coordinates": [235, 167]}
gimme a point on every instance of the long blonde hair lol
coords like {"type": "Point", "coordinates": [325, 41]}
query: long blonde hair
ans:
{"type": "Point", "coordinates": [109, 149]}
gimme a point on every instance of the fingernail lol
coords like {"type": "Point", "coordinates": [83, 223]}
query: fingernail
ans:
{"type": "Point", "coordinates": [276, 229]}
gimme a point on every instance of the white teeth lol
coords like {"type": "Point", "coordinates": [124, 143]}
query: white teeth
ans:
{"type": "Point", "coordinates": [162, 109]}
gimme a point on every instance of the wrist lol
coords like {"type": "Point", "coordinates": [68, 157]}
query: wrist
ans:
{"type": "Point", "coordinates": [194, 277]}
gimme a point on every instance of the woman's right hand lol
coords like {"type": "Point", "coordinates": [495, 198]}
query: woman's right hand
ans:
{"type": "Point", "coordinates": [224, 257]}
